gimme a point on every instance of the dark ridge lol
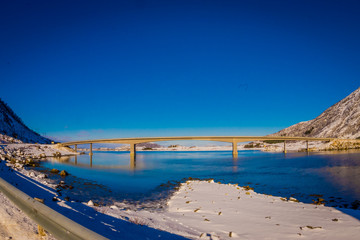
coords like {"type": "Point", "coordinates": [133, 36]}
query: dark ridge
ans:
{"type": "Point", "coordinates": [9, 116]}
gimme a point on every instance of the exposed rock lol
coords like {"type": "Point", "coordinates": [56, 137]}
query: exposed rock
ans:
{"type": "Point", "coordinates": [64, 173]}
{"type": "Point", "coordinates": [32, 174]}
{"type": "Point", "coordinates": [57, 154]}
{"type": "Point", "coordinates": [39, 199]}
{"type": "Point", "coordinates": [341, 120]}
{"type": "Point", "coordinates": [42, 175]}
{"type": "Point", "coordinates": [54, 170]}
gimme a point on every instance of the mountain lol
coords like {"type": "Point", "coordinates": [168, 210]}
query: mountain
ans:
{"type": "Point", "coordinates": [342, 120]}
{"type": "Point", "coordinates": [12, 128]}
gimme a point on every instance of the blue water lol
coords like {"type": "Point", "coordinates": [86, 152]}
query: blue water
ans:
{"type": "Point", "coordinates": [335, 176]}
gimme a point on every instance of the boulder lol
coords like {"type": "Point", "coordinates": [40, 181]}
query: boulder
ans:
{"type": "Point", "coordinates": [64, 173]}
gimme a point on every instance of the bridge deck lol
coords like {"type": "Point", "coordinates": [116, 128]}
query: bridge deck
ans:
{"type": "Point", "coordinates": [229, 139]}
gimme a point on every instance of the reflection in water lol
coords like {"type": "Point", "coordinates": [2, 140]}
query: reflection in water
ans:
{"type": "Point", "coordinates": [132, 161]}
{"type": "Point", "coordinates": [292, 174]}
{"type": "Point", "coordinates": [87, 161]}
{"type": "Point", "coordinates": [343, 177]}
{"type": "Point", "coordinates": [235, 164]}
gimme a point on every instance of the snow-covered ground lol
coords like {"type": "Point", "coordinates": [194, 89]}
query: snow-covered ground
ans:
{"type": "Point", "coordinates": [197, 210]}
{"type": "Point", "coordinates": [14, 224]}
{"type": "Point", "coordinates": [209, 210]}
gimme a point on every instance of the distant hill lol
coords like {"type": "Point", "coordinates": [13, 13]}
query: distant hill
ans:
{"type": "Point", "coordinates": [12, 128]}
{"type": "Point", "coordinates": [341, 120]}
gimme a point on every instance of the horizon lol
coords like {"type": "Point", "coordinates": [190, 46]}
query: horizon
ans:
{"type": "Point", "coordinates": [83, 70]}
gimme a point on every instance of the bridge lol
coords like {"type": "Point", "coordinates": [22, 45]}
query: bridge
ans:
{"type": "Point", "coordinates": [234, 140]}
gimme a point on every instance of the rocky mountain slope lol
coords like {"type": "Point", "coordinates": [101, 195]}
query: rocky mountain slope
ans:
{"type": "Point", "coordinates": [342, 120]}
{"type": "Point", "coordinates": [12, 128]}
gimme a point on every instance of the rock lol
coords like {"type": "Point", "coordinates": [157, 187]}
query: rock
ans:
{"type": "Point", "coordinates": [64, 173]}
{"type": "Point", "coordinates": [355, 205]}
{"type": "Point", "coordinates": [67, 199]}
{"type": "Point", "coordinates": [19, 165]}
{"type": "Point", "coordinates": [319, 201]}
{"type": "Point", "coordinates": [32, 174]}
{"type": "Point", "coordinates": [293, 199]}
{"type": "Point", "coordinates": [247, 188]}
{"type": "Point", "coordinates": [90, 203]}
{"type": "Point", "coordinates": [42, 175]}
{"type": "Point", "coordinates": [54, 170]}
{"type": "Point", "coordinates": [39, 199]}
{"type": "Point", "coordinates": [57, 154]}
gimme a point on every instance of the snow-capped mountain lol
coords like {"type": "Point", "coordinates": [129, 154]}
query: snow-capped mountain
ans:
{"type": "Point", "coordinates": [342, 120]}
{"type": "Point", "coordinates": [12, 128]}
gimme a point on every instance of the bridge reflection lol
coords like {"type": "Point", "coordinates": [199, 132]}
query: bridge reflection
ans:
{"type": "Point", "coordinates": [91, 161]}
{"type": "Point", "coordinates": [67, 160]}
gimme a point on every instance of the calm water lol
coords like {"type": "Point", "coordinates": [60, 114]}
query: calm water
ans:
{"type": "Point", "coordinates": [108, 174]}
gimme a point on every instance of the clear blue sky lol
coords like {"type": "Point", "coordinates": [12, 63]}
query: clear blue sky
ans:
{"type": "Point", "coordinates": [90, 69]}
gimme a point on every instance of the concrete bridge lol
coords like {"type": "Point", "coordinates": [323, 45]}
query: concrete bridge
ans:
{"type": "Point", "coordinates": [234, 140]}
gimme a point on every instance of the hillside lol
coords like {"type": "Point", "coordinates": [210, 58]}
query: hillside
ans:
{"type": "Point", "coordinates": [12, 128]}
{"type": "Point", "coordinates": [342, 120]}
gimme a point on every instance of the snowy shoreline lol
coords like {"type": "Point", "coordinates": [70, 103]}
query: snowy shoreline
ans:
{"type": "Point", "coordinates": [197, 210]}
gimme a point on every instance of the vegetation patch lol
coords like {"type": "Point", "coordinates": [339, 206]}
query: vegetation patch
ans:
{"type": "Point", "coordinates": [273, 141]}
{"type": "Point", "coordinates": [252, 145]}
{"type": "Point", "coordinates": [309, 131]}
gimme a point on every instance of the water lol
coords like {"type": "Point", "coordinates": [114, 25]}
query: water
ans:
{"type": "Point", "coordinates": [300, 175]}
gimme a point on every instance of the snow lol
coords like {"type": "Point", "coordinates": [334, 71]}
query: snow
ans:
{"type": "Point", "coordinates": [208, 210]}
{"type": "Point", "coordinates": [197, 210]}
{"type": "Point", "coordinates": [14, 224]}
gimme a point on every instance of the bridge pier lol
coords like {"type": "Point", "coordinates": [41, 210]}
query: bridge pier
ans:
{"type": "Point", "coordinates": [307, 145]}
{"type": "Point", "coordinates": [284, 146]}
{"type": "Point", "coordinates": [91, 153]}
{"type": "Point", "coordinates": [234, 148]}
{"type": "Point", "coordinates": [75, 147]}
{"type": "Point", "coordinates": [132, 155]}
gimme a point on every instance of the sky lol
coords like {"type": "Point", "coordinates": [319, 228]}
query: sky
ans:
{"type": "Point", "coordinates": [111, 69]}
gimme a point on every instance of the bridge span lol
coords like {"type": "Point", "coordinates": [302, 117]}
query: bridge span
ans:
{"type": "Point", "coordinates": [230, 139]}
